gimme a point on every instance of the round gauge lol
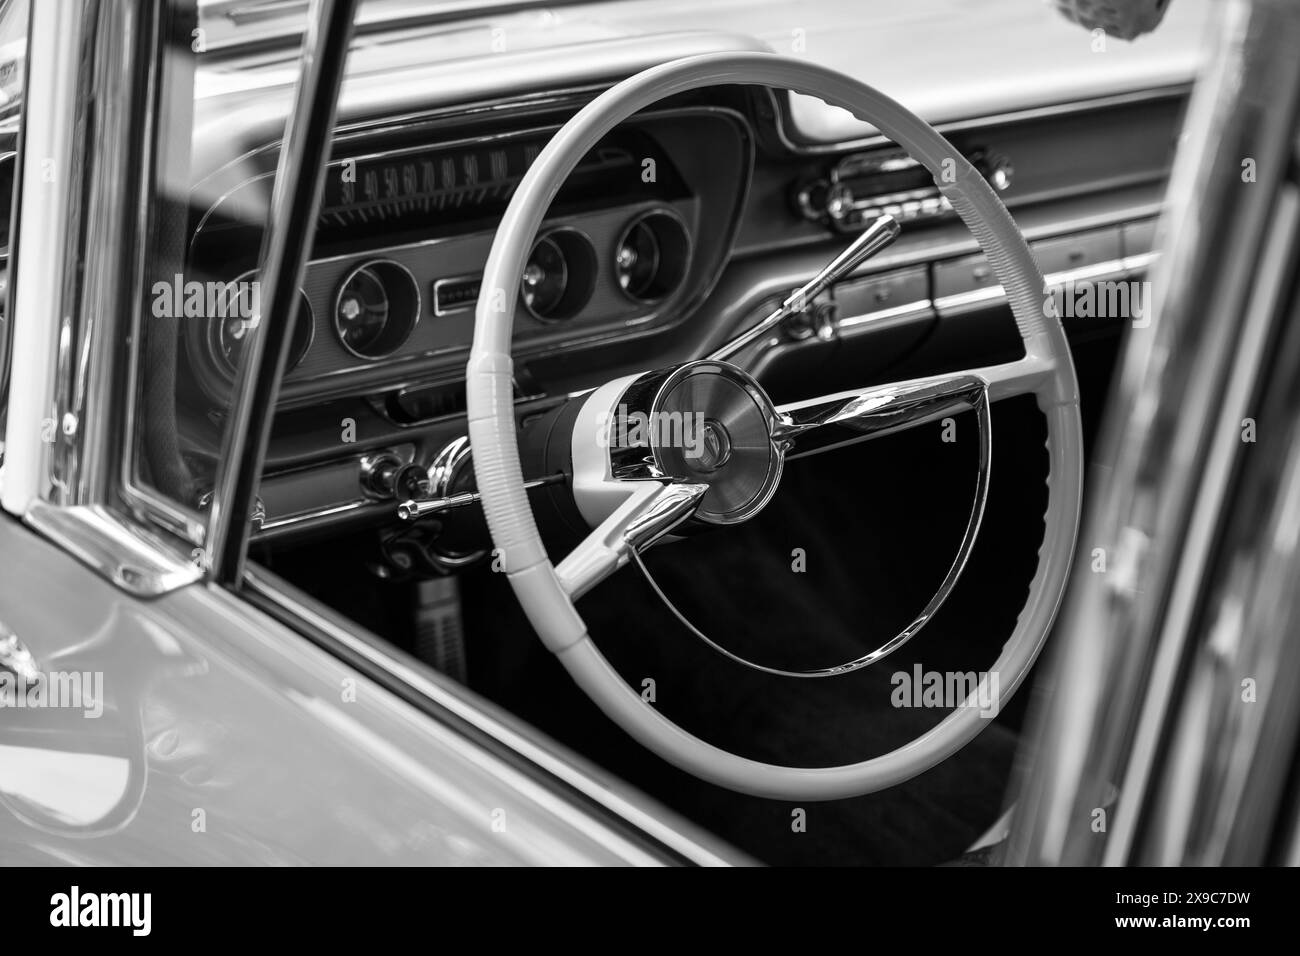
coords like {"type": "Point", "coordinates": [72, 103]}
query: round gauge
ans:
{"type": "Point", "coordinates": [376, 308]}
{"type": "Point", "coordinates": [637, 259]}
{"type": "Point", "coordinates": [231, 331]}
{"type": "Point", "coordinates": [560, 275]}
{"type": "Point", "coordinates": [652, 256]}
{"type": "Point", "coordinates": [546, 276]}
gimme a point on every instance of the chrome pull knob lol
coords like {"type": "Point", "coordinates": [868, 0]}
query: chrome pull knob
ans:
{"type": "Point", "coordinates": [385, 476]}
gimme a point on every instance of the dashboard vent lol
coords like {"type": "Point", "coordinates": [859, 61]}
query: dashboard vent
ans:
{"type": "Point", "coordinates": [424, 403]}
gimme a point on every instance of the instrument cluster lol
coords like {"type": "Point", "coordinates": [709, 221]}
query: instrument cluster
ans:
{"type": "Point", "coordinates": [633, 240]}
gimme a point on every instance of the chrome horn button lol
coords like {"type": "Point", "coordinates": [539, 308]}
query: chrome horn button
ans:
{"type": "Point", "coordinates": [715, 447]}
{"type": "Point", "coordinates": [707, 422]}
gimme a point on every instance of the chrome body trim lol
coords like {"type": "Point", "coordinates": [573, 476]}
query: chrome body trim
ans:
{"type": "Point", "coordinates": [1169, 450]}
{"type": "Point", "coordinates": [1211, 810]}
{"type": "Point", "coordinates": [115, 547]}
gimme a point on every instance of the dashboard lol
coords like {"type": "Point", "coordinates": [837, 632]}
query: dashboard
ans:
{"type": "Point", "coordinates": [684, 225]}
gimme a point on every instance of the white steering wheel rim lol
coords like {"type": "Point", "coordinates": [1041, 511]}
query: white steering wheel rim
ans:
{"type": "Point", "coordinates": [489, 386]}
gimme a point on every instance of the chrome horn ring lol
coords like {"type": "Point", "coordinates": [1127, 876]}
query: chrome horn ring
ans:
{"type": "Point", "coordinates": [906, 407]}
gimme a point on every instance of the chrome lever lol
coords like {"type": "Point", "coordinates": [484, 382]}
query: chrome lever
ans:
{"type": "Point", "coordinates": [412, 510]}
{"type": "Point", "coordinates": [882, 231]}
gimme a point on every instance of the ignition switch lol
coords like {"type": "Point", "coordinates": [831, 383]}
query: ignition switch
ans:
{"type": "Point", "coordinates": [385, 476]}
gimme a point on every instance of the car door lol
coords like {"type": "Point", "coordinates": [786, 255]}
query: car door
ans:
{"type": "Point", "coordinates": [147, 714]}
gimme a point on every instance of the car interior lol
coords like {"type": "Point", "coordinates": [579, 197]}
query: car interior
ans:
{"type": "Point", "coordinates": [685, 225]}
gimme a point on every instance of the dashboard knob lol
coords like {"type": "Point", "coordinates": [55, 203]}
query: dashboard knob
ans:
{"type": "Point", "coordinates": [385, 475]}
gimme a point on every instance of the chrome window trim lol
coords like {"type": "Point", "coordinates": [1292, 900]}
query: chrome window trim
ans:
{"type": "Point", "coordinates": [54, 53]}
{"type": "Point", "coordinates": [114, 546]}
{"type": "Point", "coordinates": [77, 287]}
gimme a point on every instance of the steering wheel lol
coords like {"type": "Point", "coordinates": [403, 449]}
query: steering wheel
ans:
{"type": "Point", "coordinates": [631, 501]}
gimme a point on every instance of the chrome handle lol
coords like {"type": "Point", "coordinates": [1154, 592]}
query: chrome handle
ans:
{"type": "Point", "coordinates": [882, 231]}
{"type": "Point", "coordinates": [413, 510]}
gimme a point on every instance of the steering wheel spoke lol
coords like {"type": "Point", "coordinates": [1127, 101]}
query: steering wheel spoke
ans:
{"type": "Point", "coordinates": [651, 511]}
{"type": "Point", "coordinates": [820, 424]}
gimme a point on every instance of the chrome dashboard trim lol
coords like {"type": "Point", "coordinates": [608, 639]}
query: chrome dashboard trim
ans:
{"type": "Point", "coordinates": [920, 309]}
{"type": "Point", "coordinates": [305, 517]}
{"type": "Point", "coordinates": [1111, 268]}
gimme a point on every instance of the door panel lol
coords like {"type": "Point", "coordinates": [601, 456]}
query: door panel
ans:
{"type": "Point", "coordinates": [203, 732]}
